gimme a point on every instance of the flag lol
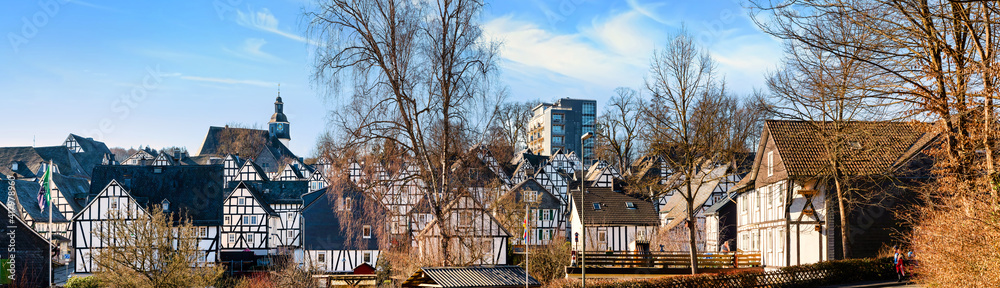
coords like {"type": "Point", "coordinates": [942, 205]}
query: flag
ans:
{"type": "Point", "coordinates": [45, 194]}
{"type": "Point", "coordinates": [526, 226]}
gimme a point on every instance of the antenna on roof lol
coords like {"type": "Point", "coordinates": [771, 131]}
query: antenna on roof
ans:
{"type": "Point", "coordinates": [279, 89]}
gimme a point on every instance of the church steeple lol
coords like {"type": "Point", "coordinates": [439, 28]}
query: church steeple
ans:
{"type": "Point", "coordinates": [278, 126]}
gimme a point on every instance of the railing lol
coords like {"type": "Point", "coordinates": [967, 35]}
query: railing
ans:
{"type": "Point", "coordinates": [721, 260]}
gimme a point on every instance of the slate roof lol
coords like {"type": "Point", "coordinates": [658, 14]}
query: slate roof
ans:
{"type": "Point", "coordinates": [211, 144]}
{"type": "Point", "coordinates": [27, 197]}
{"type": "Point", "coordinates": [719, 205]}
{"type": "Point", "coordinates": [507, 276]}
{"type": "Point", "coordinates": [195, 190]}
{"type": "Point", "coordinates": [93, 153]}
{"type": "Point", "coordinates": [613, 210]}
{"type": "Point", "coordinates": [280, 192]}
{"type": "Point", "coordinates": [267, 144]}
{"type": "Point", "coordinates": [549, 201]}
{"type": "Point", "coordinates": [322, 224]}
{"type": "Point", "coordinates": [34, 156]}
{"type": "Point", "coordinates": [879, 144]}
{"type": "Point", "coordinates": [73, 188]}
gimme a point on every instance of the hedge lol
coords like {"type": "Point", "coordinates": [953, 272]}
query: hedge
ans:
{"type": "Point", "coordinates": [823, 273]}
{"type": "Point", "coordinates": [83, 282]}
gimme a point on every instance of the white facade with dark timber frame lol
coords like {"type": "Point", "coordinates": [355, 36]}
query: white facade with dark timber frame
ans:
{"type": "Point", "coordinates": [246, 221]}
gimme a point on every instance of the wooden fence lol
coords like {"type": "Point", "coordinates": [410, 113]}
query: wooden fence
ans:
{"type": "Point", "coordinates": [672, 260]}
{"type": "Point", "coordinates": [627, 264]}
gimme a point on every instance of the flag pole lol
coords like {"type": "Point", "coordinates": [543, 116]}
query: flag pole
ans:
{"type": "Point", "coordinates": [48, 198]}
{"type": "Point", "coordinates": [526, 213]}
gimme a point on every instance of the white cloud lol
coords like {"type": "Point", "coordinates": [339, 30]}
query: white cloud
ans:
{"type": "Point", "coordinates": [231, 81]}
{"type": "Point", "coordinates": [573, 55]}
{"type": "Point", "coordinates": [265, 21]}
{"type": "Point", "coordinates": [614, 50]}
{"type": "Point", "coordinates": [251, 49]}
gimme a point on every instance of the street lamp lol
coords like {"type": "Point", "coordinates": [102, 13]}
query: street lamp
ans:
{"type": "Point", "coordinates": [583, 225]}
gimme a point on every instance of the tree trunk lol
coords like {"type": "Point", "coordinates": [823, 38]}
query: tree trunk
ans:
{"type": "Point", "coordinates": [844, 223]}
{"type": "Point", "coordinates": [693, 237]}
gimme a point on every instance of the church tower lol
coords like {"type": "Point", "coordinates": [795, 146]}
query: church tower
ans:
{"type": "Point", "coordinates": [278, 126]}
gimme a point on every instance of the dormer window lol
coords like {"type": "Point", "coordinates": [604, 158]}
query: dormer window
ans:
{"type": "Point", "coordinates": [630, 205]}
{"type": "Point", "coordinates": [597, 206]}
{"type": "Point", "coordinates": [366, 232]}
{"type": "Point", "coordinates": [13, 166]}
{"type": "Point", "coordinates": [166, 205]}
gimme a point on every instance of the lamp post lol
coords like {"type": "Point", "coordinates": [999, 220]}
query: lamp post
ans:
{"type": "Point", "coordinates": [583, 225]}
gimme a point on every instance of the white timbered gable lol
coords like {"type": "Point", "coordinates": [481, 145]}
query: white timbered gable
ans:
{"type": "Point", "coordinates": [246, 221]}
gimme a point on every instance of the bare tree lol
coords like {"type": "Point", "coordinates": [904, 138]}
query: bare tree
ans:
{"type": "Point", "coordinates": [419, 75]}
{"type": "Point", "coordinates": [245, 141]}
{"type": "Point", "coordinates": [829, 93]}
{"type": "Point", "coordinates": [619, 130]}
{"type": "Point", "coordinates": [511, 129]}
{"type": "Point", "coordinates": [685, 121]}
{"type": "Point", "coordinates": [938, 59]}
{"type": "Point", "coordinates": [151, 250]}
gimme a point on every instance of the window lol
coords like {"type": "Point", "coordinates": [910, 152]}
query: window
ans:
{"type": "Point", "coordinates": [770, 163]}
{"type": "Point", "coordinates": [114, 203]}
{"type": "Point", "coordinates": [227, 220]}
{"type": "Point", "coordinates": [366, 232]}
{"type": "Point", "coordinates": [597, 206]}
{"type": "Point", "coordinates": [589, 108]}
{"type": "Point", "coordinates": [203, 231]}
{"type": "Point", "coordinates": [249, 238]}
{"type": "Point", "coordinates": [557, 129]}
{"type": "Point", "coordinates": [629, 205]}
{"type": "Point", "coordinates": [291, 234]}
{"type": "Point", "coordinates": [557, 140]}
{"type": "Point", "coordinates": [557, 118]}
{"type": "Point", "coordinates": [242, 201]}
{"type": "Point", "coordinates": [466, 219]}
{"type": "Point", "coordinates": [347, 203]}
{"type": "Point", "coordinates": [253, 220]}
{"type": "Point", "coordinates": [367, 257]}
{"type": "Point", "coordinates": [232, 238]}
{"type": "Point", "coordinates": [588, 120]}
{"type": "Point", "coordinates": [321, 257]}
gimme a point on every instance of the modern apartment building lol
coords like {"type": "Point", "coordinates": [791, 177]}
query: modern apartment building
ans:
{"type": "Point", "coordinates": [560, 125]}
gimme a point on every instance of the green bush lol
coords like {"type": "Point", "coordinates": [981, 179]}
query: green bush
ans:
{"type": "Point", "coordinates": [83, 282]}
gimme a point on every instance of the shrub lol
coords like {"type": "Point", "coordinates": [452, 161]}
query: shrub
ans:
{"type": "Point", "coordinates": [83, 282]}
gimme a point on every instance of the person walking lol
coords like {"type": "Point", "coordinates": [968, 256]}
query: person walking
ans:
{"type": "Point", "coordinates": [897, 261]}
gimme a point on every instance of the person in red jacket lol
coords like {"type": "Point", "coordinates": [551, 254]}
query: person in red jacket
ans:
{"type": "Point", "coordinates": [897, 261]}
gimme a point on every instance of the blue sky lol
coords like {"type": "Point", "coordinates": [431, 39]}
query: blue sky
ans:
{"type": "Point", "coordinates": [159, 73]}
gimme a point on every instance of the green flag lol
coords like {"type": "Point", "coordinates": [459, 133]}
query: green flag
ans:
{"type": "Point", "coordinates": [44, 194]}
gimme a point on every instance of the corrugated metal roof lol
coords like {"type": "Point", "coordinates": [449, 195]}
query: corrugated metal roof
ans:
{"type": "Point", "coordinates": [472, 276]}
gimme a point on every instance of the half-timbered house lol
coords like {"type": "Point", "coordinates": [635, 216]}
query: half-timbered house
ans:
{"type": "Point", "coordinates": [476, 239]}
{"type": "Point", "coordinates": [614, 221]}
{"type": "Point", "coordinates": [26, 250]}
{"type": "Point", "coordinates": [342, 230]}
{"type": "Point", "coordinates": [784, 202]}
{"type": "Point", "coordinates": [194, 191]}
{"type": "Point", "coordinates": [544, 212]}
{"type": "Point", "coordinates": [247, 222]}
